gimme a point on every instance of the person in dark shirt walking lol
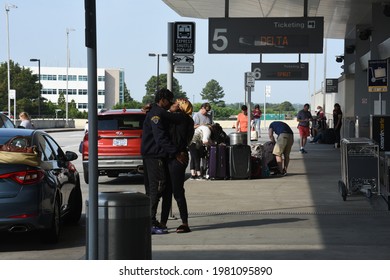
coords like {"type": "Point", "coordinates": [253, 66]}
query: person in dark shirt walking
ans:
{"type": "Point", "coordinates": [283, 144]}
{"type": "Point", "coordinates": [304, 117]}
{"type": "Point", "coordinates": [337, 122]}
{"type": "Point", "coordinates": [156, 149]}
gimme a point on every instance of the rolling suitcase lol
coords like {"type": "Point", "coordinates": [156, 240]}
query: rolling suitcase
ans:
{"type": "Point", "coordinates": [239, 161]}
{"type": "Point", "coordinates": [256, 168]}
{"type": "Point", "coordinates": [268, 158]}
{"type": "Point", "coordinates": [217, 162]}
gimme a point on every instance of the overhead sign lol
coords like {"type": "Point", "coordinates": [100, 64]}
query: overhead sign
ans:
{"type": "Point", "coordinates": [266, 35]}
{"type": "Point", "coordinates": [331, 85]}
{"type": "Point", "coordinates": [184, 38]}
{"type": "Point", "coordinates": [377, 75]}
{"type": "Point", "coordinates": [281, 71]}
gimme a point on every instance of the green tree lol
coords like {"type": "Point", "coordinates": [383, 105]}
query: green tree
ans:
{"type": "Point", "coordinates": [286, 107]}
{"type": "Point", "coordinates": [133, 104]}
{"type": "Point", "coordinates": [213, 93]}
{"type": "Point", "coordinates": [150, 87]}
{"type": "Point", "coordinates": [26, 86]}
{"type": "Point", "coordinates": [126, 95]}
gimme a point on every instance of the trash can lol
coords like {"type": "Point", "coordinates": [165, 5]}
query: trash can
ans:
{"type": "Point", "coordinates": [124, 226]}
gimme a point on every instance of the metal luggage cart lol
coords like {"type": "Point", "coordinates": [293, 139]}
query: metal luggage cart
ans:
{"type": "Point", "coordinates": [359, 167]}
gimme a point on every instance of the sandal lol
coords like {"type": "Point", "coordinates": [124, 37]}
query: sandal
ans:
{"type": "Point", "coordinates": [183, 229]}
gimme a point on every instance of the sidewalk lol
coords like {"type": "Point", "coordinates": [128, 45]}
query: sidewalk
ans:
{"type": "Point", "coordinates": [299, 216]}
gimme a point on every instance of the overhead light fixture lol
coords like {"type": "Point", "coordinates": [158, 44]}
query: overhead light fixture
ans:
{"type": "Point", "coordinates": [339, 58]}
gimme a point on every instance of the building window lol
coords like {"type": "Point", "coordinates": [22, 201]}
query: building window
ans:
{"type": "Point", "coordinates": [100, 105]}
{"type": "Point", "coordinates": [82, 106]}
{"type": "Point", "coordinates": [71, 77]}
{"type": "Point", "coordinates": [49, 91]}
{"type": "Point", "coordinates": [101, 78]}
{"type": "Point", "coordinates": [71, 91]}
{"type": "Point", "coordinates": [101, 92]}
{"type": "Point", "coordinates": [83, 78]}
{"type": "Point", "coordinates": [45, 77]}
{"type": "Point", "coordinates": [83, 91]}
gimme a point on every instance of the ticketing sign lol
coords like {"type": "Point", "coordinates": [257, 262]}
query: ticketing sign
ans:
{"type": "Point", "coordinates": [266, 35]}
{"type": "Point", "coordinates": [281, 71]}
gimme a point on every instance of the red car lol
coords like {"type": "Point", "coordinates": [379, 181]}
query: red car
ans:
{"type": "Point", "coordinates": [119, 143]}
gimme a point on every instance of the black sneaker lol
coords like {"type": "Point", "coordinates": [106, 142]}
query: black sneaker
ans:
{"type": "Point", "coordinates": [303, 151]}
{"type": "Point", "coordinates": [192, 177]}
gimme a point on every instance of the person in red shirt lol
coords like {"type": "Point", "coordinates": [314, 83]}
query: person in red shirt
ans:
{"type": "Point", "coordinates": [242, 120]}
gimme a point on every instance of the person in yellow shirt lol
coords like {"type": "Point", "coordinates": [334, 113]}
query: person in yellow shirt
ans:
{"type": "Point", "coordinates": [242, 120]}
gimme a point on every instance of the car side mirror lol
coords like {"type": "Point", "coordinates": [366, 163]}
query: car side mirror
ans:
{"type": "Point", "coordinates": [70, 156]}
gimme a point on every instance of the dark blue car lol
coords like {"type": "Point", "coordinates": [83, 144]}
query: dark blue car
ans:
{"type": "Point", "coordinates": [38, 196]}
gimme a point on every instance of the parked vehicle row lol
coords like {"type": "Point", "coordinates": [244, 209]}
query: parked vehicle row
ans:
{"type": "Point", "coordinates": [43, 193]}
{"type": "Point", "coordinates": [39, 192]}
{"type": "Point", "coordinates": [119, 143]}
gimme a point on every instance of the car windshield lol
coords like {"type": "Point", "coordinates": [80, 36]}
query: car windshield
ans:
{"type": "Point", "coordinates": [121, 122]}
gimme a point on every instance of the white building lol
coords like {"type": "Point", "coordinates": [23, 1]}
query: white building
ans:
{"type": "Point", "coordinates": [110, 85]}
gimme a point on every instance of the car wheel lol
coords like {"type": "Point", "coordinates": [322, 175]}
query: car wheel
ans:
{"type": "Point", "coordinates": [52, 234]}
{"type": "Point", "coordinates": [75, 205]}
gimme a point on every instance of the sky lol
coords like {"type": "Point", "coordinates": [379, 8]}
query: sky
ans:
{"type": "Point", "coordinates": [128, 30]}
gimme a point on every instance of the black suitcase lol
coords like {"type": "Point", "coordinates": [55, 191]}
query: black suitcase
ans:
{"type": "Point", "coordinates": [256, 168]}
{"type": "Point", "coordinates": [217, 162]}
{"type": "Point", "coordinates": [239, 157]}
{"type": "Point", "coordinates": [268, 158]}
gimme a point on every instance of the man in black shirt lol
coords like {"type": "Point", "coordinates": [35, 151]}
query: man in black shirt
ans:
{"type": "Point", "coordinates": [156, 149]}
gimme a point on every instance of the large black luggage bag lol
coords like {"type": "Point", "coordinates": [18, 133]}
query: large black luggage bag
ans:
{"type": "Point", "coordinates": [218, 162]}
{"type": "Point", "coordinates": [268, 158]}
{"type": "Point", "coordinates": [239, 157]}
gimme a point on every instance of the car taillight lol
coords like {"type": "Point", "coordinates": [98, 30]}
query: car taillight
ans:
{"type": "Point", "coordinates": [23, 216]}
{"type": "Point", "coordinates": [27, 177]}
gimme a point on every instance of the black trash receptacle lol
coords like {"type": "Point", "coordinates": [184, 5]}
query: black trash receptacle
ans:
{"type": "Point", "coordinates": [124, 226]}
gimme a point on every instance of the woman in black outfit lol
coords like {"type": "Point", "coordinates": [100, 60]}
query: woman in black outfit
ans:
{"type": "Point", "coordinates": [337, 121]}
{"type": "Point", "coordinates": [181, 136]}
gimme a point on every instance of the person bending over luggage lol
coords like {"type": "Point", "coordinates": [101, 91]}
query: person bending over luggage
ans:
{"type": "Point", "coordinates": [283, 144]}
{"type": "Point", "coordinates": [202, 138]}
{"type": "Point", "coordinates": [181, 135]}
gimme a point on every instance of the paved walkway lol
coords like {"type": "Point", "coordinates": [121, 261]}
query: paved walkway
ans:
{"type": "Point", "coordinates": [300, 216]}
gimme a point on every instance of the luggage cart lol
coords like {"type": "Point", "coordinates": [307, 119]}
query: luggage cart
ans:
{"type": "Point", "coordinates": [359, 167]}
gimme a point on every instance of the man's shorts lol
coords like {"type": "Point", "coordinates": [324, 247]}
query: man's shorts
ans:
{"type": "Point", "coordinates": [304, 131]}
{"type": "Point", "coordinates": [283, 144]}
